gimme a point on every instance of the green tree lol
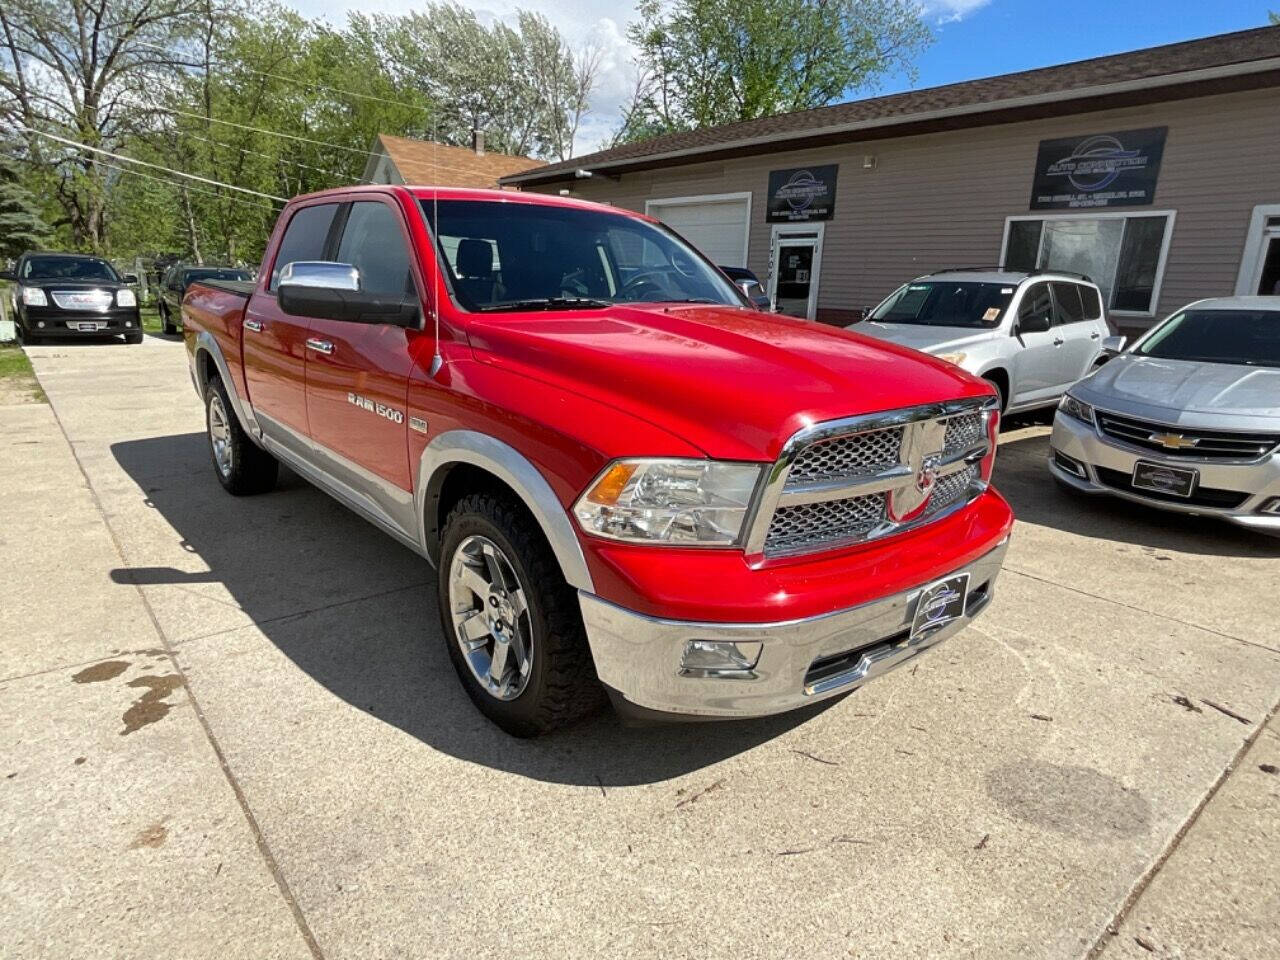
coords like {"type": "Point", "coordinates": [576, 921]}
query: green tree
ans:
{"type": "Point", "coordinates": [1273, 17]}
{"type": "Point", "coordinates": [708, 62]}
{"type": "Point", "coordinates": [22, 224]}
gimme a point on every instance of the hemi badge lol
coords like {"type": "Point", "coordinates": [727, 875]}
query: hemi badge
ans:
{"type": "Point", "coordinates": [417, 423]}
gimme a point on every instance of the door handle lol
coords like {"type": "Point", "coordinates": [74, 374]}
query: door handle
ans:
{"type": "Point", "coordinates": [253, 325]}
{"type": "Point", "coordinates": [1095, 336]}
{"type": "Point", "coordinates": [319, 346]}
{"type": "Point", "coordinates": [1058, 342]}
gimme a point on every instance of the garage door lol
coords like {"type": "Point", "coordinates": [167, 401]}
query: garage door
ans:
{"type": "Point", "coordinates": [716, 226]}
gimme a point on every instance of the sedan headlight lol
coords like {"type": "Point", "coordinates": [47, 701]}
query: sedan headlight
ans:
{"type": "Point", "coordinates": [956, 358]}
{"type": "Point", "coordinates": [1076, 408]}
{"type": "Point", "coordinates": [685, 502]}
{"type": "Point", "coordinates": [125, 298]}
{"type": "Point", "coordinates": [34, 297]}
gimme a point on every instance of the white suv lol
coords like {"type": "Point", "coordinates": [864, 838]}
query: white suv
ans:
{"type": "Point", "coordinates": [1031, 335]}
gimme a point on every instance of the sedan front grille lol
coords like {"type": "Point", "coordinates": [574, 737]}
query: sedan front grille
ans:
{"type": "Point", "coordinates": [859, 479]}
{"type": "Point", "coordinates": [1187, 442]}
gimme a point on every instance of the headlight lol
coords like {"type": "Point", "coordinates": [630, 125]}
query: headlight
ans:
{"type": "Point", "coordinates": [125, 298]}
{"type": "Point", "coordinates": [956, 358]}
{"type": "Point", "coordinates": [697, 502]}
{"type": "Point", "coordinates": [1076, 408]}
{"type": "Point", "coordinates": [34, 297]}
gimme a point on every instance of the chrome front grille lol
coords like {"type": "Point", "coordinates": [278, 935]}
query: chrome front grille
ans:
{"type": "Point", "coordinates": [852, 480]}
{"type": "Point", "coordinates": [99, 300]}
{"type": "Point", "coordinates": [807, 525]}
{"type": "Point", "coordinates": [1186, 441]}
{"type": "Point", "coordinates": [843, 457]}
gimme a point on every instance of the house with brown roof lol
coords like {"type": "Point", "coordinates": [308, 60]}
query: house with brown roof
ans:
{"type": "Point", "coordinates": [402, 160]}
{"type": "Point", "coordinates": [1156, 172]}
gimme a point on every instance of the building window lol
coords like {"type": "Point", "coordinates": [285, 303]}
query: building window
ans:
{"type": "Point", "coordinates": [1123, 254]}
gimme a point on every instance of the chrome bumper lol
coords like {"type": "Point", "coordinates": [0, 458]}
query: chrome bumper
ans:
{"type": "Point", "coordinates": [1083, 443]}
{"type": "Point", "coordinates": [640, 657]}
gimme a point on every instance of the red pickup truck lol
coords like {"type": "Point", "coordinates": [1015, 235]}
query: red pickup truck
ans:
{"type": "Point", "coordinates": [629, 481]}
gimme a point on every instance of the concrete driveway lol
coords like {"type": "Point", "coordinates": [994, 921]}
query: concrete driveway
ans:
{"type": "Point", "coordinates": [231, 730]}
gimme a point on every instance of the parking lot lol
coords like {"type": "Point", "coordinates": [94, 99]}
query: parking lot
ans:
{"type": "Point", "coordinates": [232, 731]}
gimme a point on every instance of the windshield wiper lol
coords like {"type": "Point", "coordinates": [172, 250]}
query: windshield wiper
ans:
{"type": "Point", "coordinates": [546, 303]}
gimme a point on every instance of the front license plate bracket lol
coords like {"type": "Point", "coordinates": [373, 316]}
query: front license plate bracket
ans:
{"type": "Point", "coordinates": [940, 603]}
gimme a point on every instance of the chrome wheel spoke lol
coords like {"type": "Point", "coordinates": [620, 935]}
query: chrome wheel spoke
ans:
{"type": "Point", "coordinates": [515, 640]}
{"type": "Point", "coordinates": [474, 628]}
{"type": "Point", "coordinates": [518, 603]}
{"type": "Point", "coordinates": [472, 579]}
{"type": "Point", "coordinates": [498, 662]}
{"type": "Point", "coordinates": [496, 577]}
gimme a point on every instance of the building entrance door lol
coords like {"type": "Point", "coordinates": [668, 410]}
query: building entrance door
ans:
{"type": "Point", "coordinates": [795, 261]}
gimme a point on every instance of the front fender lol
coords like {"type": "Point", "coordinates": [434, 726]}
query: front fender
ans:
{"type": "Point", "coordinates": [517, 472]}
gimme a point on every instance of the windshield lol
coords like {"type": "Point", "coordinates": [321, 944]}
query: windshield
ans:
{"type": "Point", "coordinates": [68, 268]}
{"type": "Point", "coordinates": [518, 256]}
{"type": "Point", "coordinates": [1249, 337]}
{"type": "Point", "coordinates": [217, 273]}
{"type": "Point", "coordinates": [949, 303]}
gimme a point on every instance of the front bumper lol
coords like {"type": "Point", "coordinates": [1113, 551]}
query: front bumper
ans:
{"type": "Point", "coordinates": [1107, 464]}
{"type": "Point", "coordinates": [52, 322]}
{"type": "Point", "coordinates": [800, 661]}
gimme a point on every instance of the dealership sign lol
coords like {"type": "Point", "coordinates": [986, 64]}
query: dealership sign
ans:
{"type": "Point", "coordinates": [1103, 170]}
{"type": "Point", "coordinates": [808, 193]}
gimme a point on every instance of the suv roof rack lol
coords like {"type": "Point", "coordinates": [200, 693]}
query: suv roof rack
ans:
{"type": "Point", "coordinates": [971, 270]}
{"type": "Point", "coordinates": [1066, 273]}
{"type": "Point", "coordinates": [1002, 269]}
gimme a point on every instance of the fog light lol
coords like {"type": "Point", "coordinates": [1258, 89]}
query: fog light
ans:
{"type": "Point", "coordinates": [128, 323]}
{"type": "Point", "coordinates": [719, 658]}
{"type": "Point", "coordinates": [1074, 467]}
{"type": "Point", "coordinates": [39, 323]}
{"type": "Point", "coordinates": [1271, 506]}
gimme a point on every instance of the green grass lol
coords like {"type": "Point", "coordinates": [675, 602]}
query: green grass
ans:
{"type": "Point", "coordinates": [16, 375]}
{"type": "Point", "coordinates": [151, 322]}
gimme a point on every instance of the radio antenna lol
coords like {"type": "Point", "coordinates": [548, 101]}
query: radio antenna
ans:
{"type": "Point", "coordinates": [437, 361]}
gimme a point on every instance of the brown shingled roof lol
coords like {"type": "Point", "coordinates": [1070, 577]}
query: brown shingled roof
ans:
{"type": "Point", "coordinates": [1176, 63]}
{"type": "Point", "coordinates": [421, 161]}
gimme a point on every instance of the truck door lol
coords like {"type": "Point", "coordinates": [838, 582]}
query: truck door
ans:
{"type": "Point", "coordinates": [275, 343]}
{"type": "Point", "coordinates": [358, 373]}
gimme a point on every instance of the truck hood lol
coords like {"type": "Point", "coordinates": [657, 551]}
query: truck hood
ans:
{"type": "Point", "coordinates": [920, 336]}
{"type": "Point", "coordinates": [1187, 393]}
{"type": "Point", "coordinates": [735, 383]}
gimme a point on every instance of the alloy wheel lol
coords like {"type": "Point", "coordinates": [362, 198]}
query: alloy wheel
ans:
{"type": "Point", "coordinates": [490, 617]}
{"type": "Point", "coordinates": [220, 435]}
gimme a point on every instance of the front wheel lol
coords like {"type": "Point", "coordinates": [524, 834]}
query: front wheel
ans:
{"type": "Point", "coordinates": [511, 623]}
{"type": "Point", "coordinates": [133, 338]}
{"type": "Point", "coordinates": [241, 465]}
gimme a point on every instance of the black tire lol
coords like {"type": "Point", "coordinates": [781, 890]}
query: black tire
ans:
{"type": "Point", "coordinates": [25, 336]}
{"type": "Point", "coordinates": [561, 684]}
{"type": "Point", "coordinates": [133, 338]}
{"type": "Point", "coordinates": [247, 468]}
{"type": "Point", "coordinates": [165, 319]}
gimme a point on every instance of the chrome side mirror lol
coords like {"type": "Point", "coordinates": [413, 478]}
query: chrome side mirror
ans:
{"type": "Point", "coordinates": [745, 286]}
{"type": "Point", "coordinates": [1114, 345]}
{"type": "Point", "coordinates": [320, 274]}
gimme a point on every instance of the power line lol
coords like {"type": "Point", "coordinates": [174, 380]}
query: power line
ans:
{"type": "Point", "coordinates": [180, 186]}
{"type": "Point", "coordinates": [272, 133]}
{"type": "Point", "coordinates": [153, 166]}
{"type": "Point", "coordinates": [268, 156]}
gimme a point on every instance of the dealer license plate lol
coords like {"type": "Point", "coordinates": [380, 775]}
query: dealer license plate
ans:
{"type": "Point", "coordinates": [940, 603]}
{"type": "Point", "coordinates": [88, 327]}
{"type": "Point", "coordinates": [1158, 478]}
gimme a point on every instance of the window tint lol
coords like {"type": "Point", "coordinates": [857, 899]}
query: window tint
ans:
{"type": "Point", "coordinates": [1070, 309]}
{"type": "Point", "coordinates": [373, 244]}
{"type": "Point", "coordinates": [68, 268]}
{"type": "Point", "coordinates": [1024, 244]}
{"type": "Point", "coordinates": [1092, 303]}
{"type": "Point", "coordinates": [1247, 337]}
{"type": "Point", "coordinates": [304, 238]}
{"type": "Point", "coordinates": [946, 303]}
{"type": "Point", "coordinates": [1139, 257]}
{"type": "Point", "coordinates": [1036, 302]}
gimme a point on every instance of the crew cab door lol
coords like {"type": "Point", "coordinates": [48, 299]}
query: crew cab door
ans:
{"type": "Point", "coordinates": [358, 373]}
{"type": "Point", "coordinates": [274, 345]}
{"type": "Point", "coordinates": [1037, 362]}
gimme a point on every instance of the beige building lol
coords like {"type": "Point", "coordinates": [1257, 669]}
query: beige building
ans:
{"type": "Point", "coordinates": [1156, 172]}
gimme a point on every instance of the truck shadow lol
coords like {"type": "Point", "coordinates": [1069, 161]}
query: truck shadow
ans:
{"type": "Point", "coordinates": [357, 613]}
{"type": "Point", "coordinates": [1022, 476]}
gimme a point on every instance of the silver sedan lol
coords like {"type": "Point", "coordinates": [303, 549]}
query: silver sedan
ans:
{"type": "Point", "coordinates": [1187, 419]}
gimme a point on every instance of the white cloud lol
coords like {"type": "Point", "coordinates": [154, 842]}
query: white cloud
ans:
{"type": "Point", "coordinates": [949, 11]}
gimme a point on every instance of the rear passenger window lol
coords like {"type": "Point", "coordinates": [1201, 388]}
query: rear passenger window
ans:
{"type": "Point", "coordinates": [373, 244]}
{"type": "Point", "coordinates": [1092, 303]}
{"type": "Point", "coordinates": [304, 238]}
{"type": "Point", "coordinates": [1070, 308]}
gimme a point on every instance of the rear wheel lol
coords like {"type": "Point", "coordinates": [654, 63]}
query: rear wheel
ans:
{"type": "Point", "coordinates": [134, 338]}
{"type": "Point", "coordinates": [1000, 391]}
{"type": "Point", "coordinates": [241, 465]}
{"type": "Point", "coordinates": [511, 623]}
{"type": "Point", "coordinates": [166, 319]}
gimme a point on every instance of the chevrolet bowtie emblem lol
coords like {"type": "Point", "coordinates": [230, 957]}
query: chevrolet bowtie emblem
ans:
{"type": "Point", "coordinates": [1174, 441]}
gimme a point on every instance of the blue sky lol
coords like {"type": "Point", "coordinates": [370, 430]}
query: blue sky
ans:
{"type": "Point", "coordinates": [1003, 36]}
